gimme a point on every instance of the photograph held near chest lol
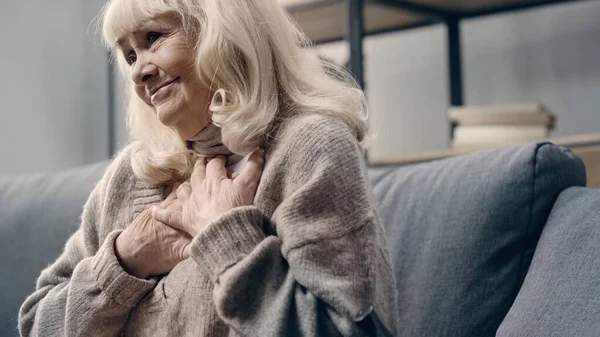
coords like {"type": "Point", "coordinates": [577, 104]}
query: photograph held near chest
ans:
{"type": "Point", "coordinates": [227, 176]}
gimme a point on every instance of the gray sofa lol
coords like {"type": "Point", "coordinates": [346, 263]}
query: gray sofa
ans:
{"type": "Point", "coordinates": [497, 243]}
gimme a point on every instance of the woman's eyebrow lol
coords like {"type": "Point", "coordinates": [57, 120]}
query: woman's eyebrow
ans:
{"type": "Point", "coordinates": [121, 41]}
{"type": "Point", "coordinates": [149, 24]}
{"type": "Point", "coordinates": [118, 44]}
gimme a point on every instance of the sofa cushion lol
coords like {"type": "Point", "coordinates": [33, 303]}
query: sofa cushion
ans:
{"type": "Point", "coordinates": [462, 233]}
{"type": "Point", "coordinates": [38, 213]}
{"type": "Point", "coordinates": [560, 294]}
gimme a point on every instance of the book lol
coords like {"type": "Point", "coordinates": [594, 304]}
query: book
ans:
{"type": "Point", "coordinates": [487, 136]}
{"type": "Point", "coordinates": [515, 114]}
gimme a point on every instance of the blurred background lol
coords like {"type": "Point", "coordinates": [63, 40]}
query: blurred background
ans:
{"type": "Point", "coordinates": [63, 104]}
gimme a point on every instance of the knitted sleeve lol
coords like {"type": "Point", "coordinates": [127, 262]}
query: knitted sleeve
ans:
{"type": "Point", "coordinates": [318, 274]}
{"type": "Point", "coordinates": [85, 292]}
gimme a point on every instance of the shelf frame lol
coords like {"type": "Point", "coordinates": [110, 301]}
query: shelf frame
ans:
{"type": "Point", "coordinates": [430, 15]}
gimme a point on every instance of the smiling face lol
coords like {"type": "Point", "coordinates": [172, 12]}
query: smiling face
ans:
{"type": "Point", "coordinates": [161, 58]}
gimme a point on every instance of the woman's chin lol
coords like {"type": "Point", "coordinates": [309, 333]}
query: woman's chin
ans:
{"type": "Point", "coordinates": [166, 117]}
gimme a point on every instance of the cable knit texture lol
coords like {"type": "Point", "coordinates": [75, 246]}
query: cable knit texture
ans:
{"type": "Point", "coordinates": [308, 258]}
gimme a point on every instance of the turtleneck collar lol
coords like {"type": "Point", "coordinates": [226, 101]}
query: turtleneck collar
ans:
{"type": "Point", "coordinates": [207, 143]}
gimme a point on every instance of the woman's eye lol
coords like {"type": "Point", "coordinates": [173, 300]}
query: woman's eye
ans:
{"type": "Point", "coordinates": [153, 36]}
{"type": "Point", "coordinates": [131, 58]}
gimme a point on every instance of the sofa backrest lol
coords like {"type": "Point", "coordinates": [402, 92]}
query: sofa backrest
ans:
{"type": "Point", "coordinates": [462, 233]}
{"type": "Point", "coordinates": [38, 213]}
{"type": "Point", "coordinates": [560, 294]}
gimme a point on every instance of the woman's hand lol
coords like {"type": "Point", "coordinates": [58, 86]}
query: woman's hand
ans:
{"type": "Point", "coordinates": [148, 247]}
{"type": "Point", "coordinates": [210, 193]}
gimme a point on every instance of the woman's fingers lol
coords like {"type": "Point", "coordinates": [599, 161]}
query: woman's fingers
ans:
{"type": "Point", "coordinates": [215, 169]}
{"type": "Point", "coordinates": [250, 176]}
{"type": "Point", "coordinates": [199, 172]}
{"type": "Point", "coordinates": [184, 191]}
{"type": "Point", "coordinates": [172, 196]}
{"type": "Point", "coordinates": [168, 217]}
{"type": "Point", "coordinates": [187, 250]}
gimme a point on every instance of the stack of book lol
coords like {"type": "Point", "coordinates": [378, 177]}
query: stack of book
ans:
{"type": "Point", "coordinates": [480, 127]}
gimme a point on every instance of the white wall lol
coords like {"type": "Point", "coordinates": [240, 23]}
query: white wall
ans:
{"type": "Point", "coordinates": [548, 55]}
{"type": "Point", "coordinates": [54, 86]}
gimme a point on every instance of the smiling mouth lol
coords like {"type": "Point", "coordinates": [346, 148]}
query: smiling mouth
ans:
{"type": "Point", "coordinates": [162, 86]}
{"type": "Point", "coordinates": [158, 92]}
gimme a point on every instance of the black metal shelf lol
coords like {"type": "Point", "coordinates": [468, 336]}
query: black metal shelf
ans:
{"type": "Point", "coordinates": [323, 21]}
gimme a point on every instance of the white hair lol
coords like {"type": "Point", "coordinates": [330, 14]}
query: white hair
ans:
{"type": "Point", "coordinates": [257, 63]}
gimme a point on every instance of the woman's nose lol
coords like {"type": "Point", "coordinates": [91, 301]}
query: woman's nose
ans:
{"type": "Point", "coordinates": [143, 71]}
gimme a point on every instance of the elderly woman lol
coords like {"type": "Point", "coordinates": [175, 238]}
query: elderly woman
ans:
{"type": "Point", "coordinates": [186, 236]}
